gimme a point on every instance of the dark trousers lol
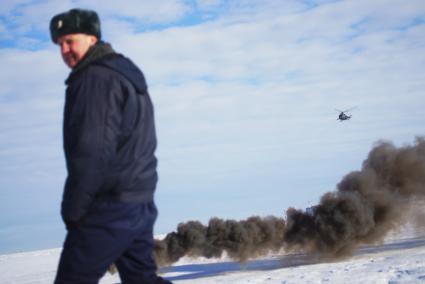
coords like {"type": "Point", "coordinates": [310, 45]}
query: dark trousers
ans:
{"type": "Point", "coordinates": [112, 232]}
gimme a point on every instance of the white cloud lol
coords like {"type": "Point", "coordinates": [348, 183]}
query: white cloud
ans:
{"type": "Point", "coordinates": [28, 18]}
{"type": "Point", "coordinates": [208, 4]}
{"type": "Point", "coordinates": [31, 75]}
{"type": "Point", "coordinates": [145, 12]}
{"type": "Point", "coordinates": [32, 16]}
{"type": "Point", "coordinates": [264, 50]}
{"type": "Point", "coordinates": [113, 28]}
{"type": "Point", "coordinates": [7, 6]}
{"type": "Point", "coordinates": [31, 103]}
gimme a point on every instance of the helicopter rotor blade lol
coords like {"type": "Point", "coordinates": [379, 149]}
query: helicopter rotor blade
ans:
{"type": "Point", "coordinates": [350, 109]}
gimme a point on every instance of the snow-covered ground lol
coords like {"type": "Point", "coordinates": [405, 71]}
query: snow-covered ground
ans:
{"type": "Point", "coordinates": [397, 261]}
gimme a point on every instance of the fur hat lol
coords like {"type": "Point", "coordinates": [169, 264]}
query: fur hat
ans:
{"type": "Point", "coordinates": [75, 21]}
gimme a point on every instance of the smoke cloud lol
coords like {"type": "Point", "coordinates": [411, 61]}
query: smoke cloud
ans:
{"type": "Point", "coordinates": [239, 239]}
{"type": "Point", "coordinates": [366, 205]}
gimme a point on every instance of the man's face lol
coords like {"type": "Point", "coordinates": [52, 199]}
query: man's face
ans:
{"type": "Point", "coordinates": [74, 47]}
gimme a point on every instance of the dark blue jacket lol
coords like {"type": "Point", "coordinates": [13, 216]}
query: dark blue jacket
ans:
{"type": "Point", "coordinates": [109, 136]}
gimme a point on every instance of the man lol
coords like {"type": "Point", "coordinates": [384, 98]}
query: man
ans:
{"type": "Point", "coordinates": [109, 142]}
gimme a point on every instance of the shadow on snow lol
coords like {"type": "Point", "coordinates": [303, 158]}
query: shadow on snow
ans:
{"type": "Point", "coordinates": [197, 271]}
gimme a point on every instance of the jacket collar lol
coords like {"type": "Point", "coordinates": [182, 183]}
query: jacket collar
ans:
{"type": "Point", "coordinates": [96, 52]}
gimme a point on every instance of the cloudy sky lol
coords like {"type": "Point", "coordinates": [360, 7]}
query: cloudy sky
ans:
{"type": "Point", "coordinates": [245, 93]}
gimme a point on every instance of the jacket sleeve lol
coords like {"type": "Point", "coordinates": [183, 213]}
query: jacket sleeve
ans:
{"type": "Point", "coordinates": [91, 127]}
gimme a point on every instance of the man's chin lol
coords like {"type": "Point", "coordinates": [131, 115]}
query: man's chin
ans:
{"type": "Point", "coordinates": [70, 63]}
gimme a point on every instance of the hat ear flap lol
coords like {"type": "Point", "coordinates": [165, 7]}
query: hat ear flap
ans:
{"type": "Point", "coordinates": [92, 24]}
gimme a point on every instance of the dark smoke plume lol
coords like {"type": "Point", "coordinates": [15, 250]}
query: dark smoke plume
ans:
{"type": "Point", "coordinates": [366, 205]}
{"type": "Point", "coordinates": [240, 239]}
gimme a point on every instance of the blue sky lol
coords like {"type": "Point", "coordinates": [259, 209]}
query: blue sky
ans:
{"type": "Point", "coordinates": [245, 94]}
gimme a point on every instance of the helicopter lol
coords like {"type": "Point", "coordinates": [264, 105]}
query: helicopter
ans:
{"type": "Point", "coordinates": [342, 114]}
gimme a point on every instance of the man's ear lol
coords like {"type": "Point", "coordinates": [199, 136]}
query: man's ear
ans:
{"type": "Point", "coordinates": [93, 40]}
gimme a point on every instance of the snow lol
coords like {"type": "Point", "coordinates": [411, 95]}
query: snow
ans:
{"type": "Point", "coordinates": [397, 261]}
